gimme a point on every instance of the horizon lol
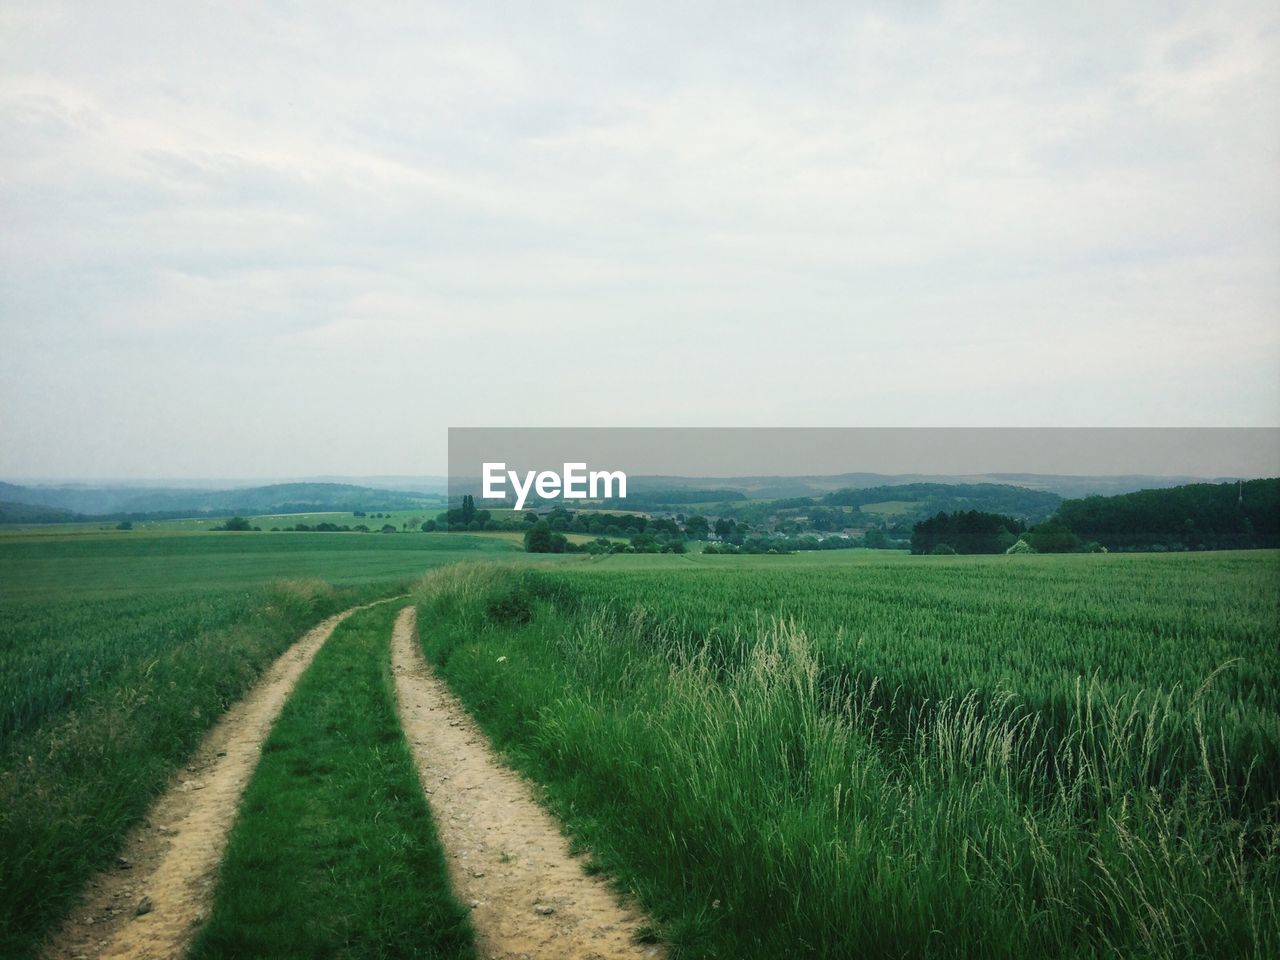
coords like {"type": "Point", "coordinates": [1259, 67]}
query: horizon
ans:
{"type": "Point", "coordinates": [443, 479]}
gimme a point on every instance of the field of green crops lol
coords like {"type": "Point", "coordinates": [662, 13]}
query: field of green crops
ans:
{"type": "Point", "coordinates": [843, 754]}
{"type": "Point", "coordinates": [899, 756]}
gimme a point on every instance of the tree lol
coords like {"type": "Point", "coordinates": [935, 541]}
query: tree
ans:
{"type": "Point", "coordinates": [124, 525]}
{"type": "Point", "coordinates": [468, 509]}
{"type": "Point", "coordinates": [969, 531]}
{"type": "Point", "coordinates": [875, 539]}
{"type": "Point", "coordinates": [1053, 537]}
{"type": "Point", "coordinates": [697, 527]}
{"type": "Point", "coordinates": [235, 523]}
{"type": "Point", "coordinates": [537, 539]}
{"type": "Point", "coordinates": [428, 526]}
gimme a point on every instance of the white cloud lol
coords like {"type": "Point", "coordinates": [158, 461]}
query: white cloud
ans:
{"type": "Point", "coordinates": [943, 213]}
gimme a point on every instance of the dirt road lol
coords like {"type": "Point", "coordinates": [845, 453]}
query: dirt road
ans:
{"type": "Point", "coordinates": [507, 857]}
{"type": "Point", "coordinates": [152, 902]}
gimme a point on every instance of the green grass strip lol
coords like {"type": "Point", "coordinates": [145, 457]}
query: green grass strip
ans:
{"type": "Point", "coordinates": [334, 853]}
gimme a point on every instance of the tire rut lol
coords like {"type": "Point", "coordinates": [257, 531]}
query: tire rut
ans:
{"type": "Point", "coordinates": [151, 904]}
{"type": "Point", "coordinates": [507, 856]}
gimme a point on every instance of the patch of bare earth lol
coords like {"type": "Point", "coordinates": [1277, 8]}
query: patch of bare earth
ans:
{"type": "Point", "coordinates": [155, 898]}
{"type": "Point", "coordinates": [507, 857]}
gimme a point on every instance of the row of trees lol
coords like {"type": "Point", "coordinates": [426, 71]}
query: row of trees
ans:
{"type": "Point", "coordinates": [973, 531]}
{"type": "Point", "coordinates": [540, 538]}
{"type": "Point", "coordinates": [1198, 516]}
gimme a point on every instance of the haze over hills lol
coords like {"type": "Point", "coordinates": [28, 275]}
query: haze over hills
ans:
{"type": "Point", "coordinates": [273, 498]}
{"type": "Point", "coordinates": [410, 492]}
{"type": "Point", "coordinates": [52, 501]}
{"type": "Point", "coordinates": [1064, 485]}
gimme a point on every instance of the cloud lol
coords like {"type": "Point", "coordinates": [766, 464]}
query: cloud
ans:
{"type": "Point", "coordinates": [929, 213]}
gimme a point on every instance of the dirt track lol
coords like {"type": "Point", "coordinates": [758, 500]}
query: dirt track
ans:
{"type": "Point", "coordinates": [507, 858]}
{"type": "Point", "coordinates": [172, 858]}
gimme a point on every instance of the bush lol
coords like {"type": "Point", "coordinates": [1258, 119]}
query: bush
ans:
{"type": "Point", "coordinates": [943, 550]}
{"type": "Point", "coordinates": [1021, 547]}
{"type": "Point", "coordinates": [1053, 537]}
{"type": "Point", "coordinates": [537, 539]}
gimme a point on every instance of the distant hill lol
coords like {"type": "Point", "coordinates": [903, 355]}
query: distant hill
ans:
{"type": "Point", "coordinates": [927, 499]}
{"type": "Point", "coordinates": [778, 487]}
{"type": "Point", "coordinates": [35, 513]}
{"type": "Point", "coordinates": [138, 502]}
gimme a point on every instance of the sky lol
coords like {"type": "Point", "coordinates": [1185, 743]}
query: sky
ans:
{"type": "Point", "coordinates": [270, 240]}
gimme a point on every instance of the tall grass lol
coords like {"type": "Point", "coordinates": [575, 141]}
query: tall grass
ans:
{"type": "Point", "coordinates": [766, 796]}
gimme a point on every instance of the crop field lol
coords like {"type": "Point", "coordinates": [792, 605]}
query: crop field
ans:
{"type": "Point", "coordinates": [55, 567]}
{"type": "Point", "coordinates": [843, 754]}
{"type": "Point", "coordinates": [373, 520]}
{"type": "Point", "coordinates": [1073, 756]}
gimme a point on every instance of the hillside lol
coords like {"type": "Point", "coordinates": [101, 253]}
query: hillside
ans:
{"type": "Point", "coordinates": [1195, 516]}
{"type": "Point", "coordinates": [168, 501]}
{"type": "Point", "coordinates": [929, 498]}
{"type": "Point", "coordinates": [34, 513]}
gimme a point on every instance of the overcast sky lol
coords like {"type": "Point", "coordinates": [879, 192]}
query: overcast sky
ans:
{"type": "Point", "coordinates": [289, 239]}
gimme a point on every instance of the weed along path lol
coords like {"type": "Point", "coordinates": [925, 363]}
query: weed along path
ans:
{"type": "Point", "coordinates": [507, 857]}
{"type": "Point", "coordinates": [151, 903]}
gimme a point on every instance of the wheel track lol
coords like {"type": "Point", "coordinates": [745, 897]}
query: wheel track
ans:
{"type": "Point", "coordinates": [171, 859]}
{"type": "Point", "coordinates": [507, 857]}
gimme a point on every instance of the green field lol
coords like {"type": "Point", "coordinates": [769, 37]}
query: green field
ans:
{"type": "Point", "coordinates": [856, 756]}
{"type": "Point", "coordinates": [398, 518]}
{"type": "Point", "coordinates": [851, 753]}
{"type": "Point", "coordinates": [53, 567]}
{"type": "Point", "coordinates": [889, 508]}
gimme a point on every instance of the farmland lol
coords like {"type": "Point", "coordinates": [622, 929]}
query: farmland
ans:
{"type": "Point", "coordinates": [1074, 756]}
{"type": "Point", "coordinates": [52, 567]}
{"type": "Point", "coordinates": [859, 753]}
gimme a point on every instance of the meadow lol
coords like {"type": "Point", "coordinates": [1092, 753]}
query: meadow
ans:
{"type": "Point", "coordinates": [894, 756]}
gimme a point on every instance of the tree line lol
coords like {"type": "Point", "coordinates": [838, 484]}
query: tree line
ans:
{"type": "Point", "coordinates": [1199, 516]}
